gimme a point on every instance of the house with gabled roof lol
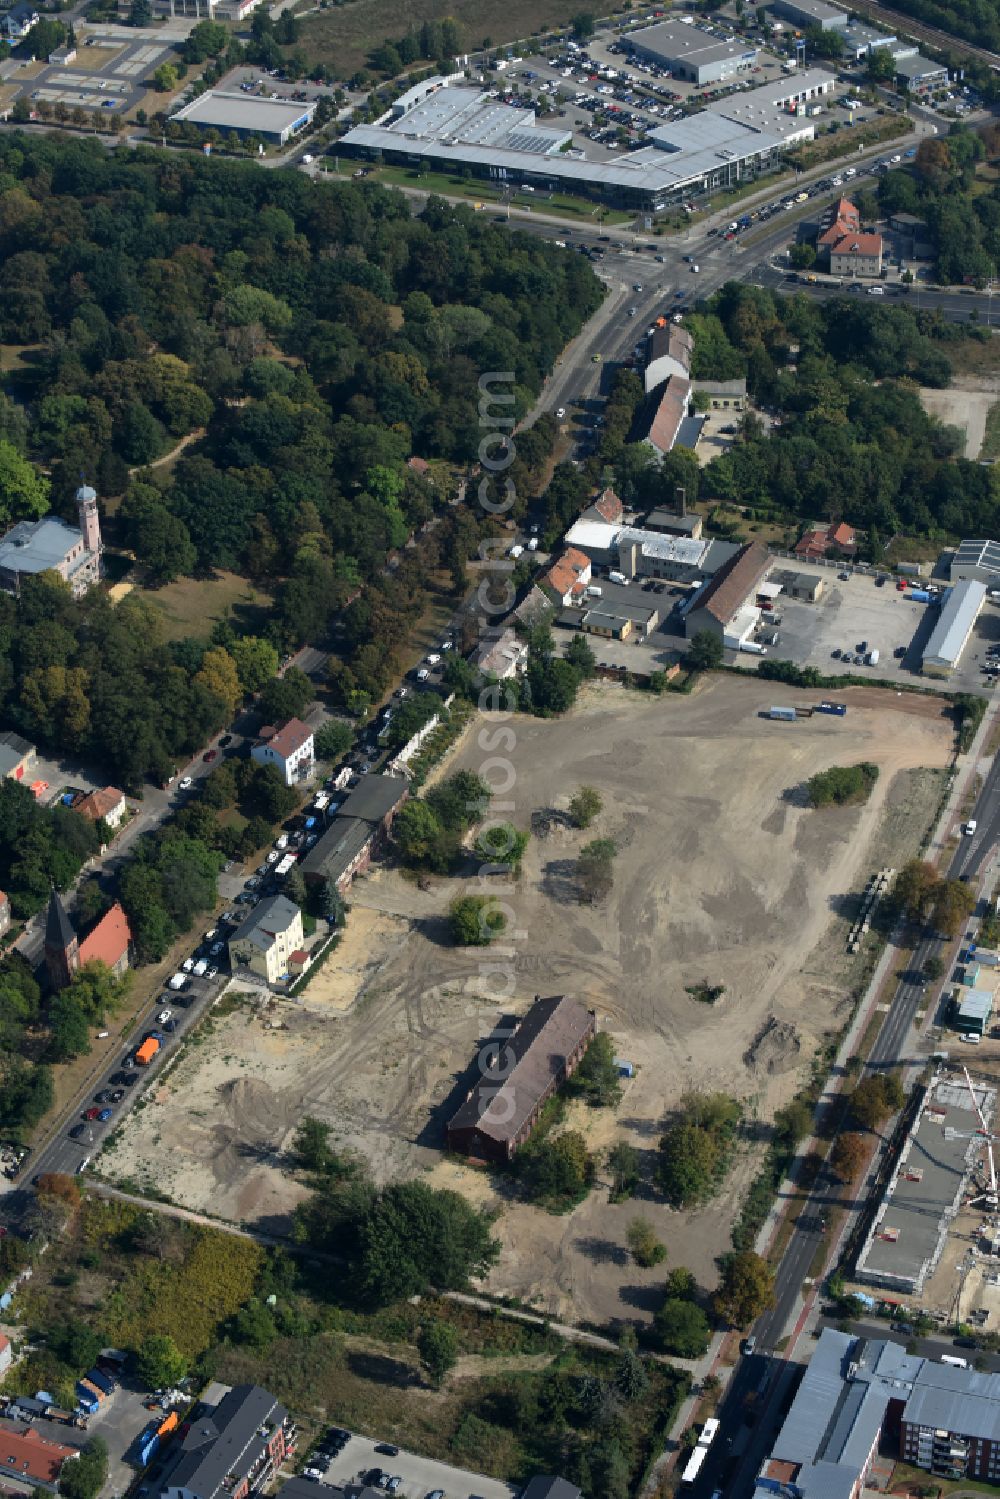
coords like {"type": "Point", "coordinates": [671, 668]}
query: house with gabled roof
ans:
{"type": "Point", "coordinates": [291, 748]}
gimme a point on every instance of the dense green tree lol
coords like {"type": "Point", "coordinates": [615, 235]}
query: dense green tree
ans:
{"type": "Point", "coordinates": [556, 1172]}
{"type": "Point", "coordinates": [437, 1344]}
{"type": "Point", "coordinates": [501, 844]}
{"type": "Point", "coordinates": [333, 739]}
{"type": "Point", "coordinates": [746, 1288]}
{"type": "Point", "coordinates": [86, 1475]}
{"type": "Point", "coordinates": [159, 1363]}
{"type": "Point", "coordinates": [597, 1077]}
{"type": "Point", "coordinates": [475, 920]}
{"type": "Point", "coordinates": [682, 1328]}
{"type": "Point", "coordinates": [706, 651]}
{"type": "Point", "coordinates": [645, 1248]}
{"type": "Point", "coordinates": [415, 1237]}
{"type": "Point", "coordinates": [585, 806]}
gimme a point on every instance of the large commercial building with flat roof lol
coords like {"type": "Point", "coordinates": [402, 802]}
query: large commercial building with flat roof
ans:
{"type": "Point", "coordinates": [806, 13]}
{"type": "Point", "coordinates": [946, 1421]}
{"type": "Point", "coordinates": [919, 75]}
{"type": "Point", "coordinates": [690, 52]}
{"type": "Point", "coordinates": [976, 562]}
{"type": "Point", "coordinates": [274, 120]}
{"type": "Point", "coordinates": [950, 635]}
{"type": "Point", "coordinates": [448, 124]}
{"type": "Point", "coordinates": [935, 1164]}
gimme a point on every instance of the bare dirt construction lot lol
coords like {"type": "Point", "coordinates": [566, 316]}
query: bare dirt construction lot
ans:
{"type": "Point", "coordinates": [965, 403]}
{"type": "Point", "coordinates": [722, 873]}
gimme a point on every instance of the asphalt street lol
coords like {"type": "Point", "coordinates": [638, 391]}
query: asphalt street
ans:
{"type": "Point", "coordinates": [62, 1154]}
{"type": "Point", "coordinates": [754, 1405]}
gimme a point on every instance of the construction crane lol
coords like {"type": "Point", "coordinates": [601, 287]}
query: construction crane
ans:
{"type": "Point", "coordinates": [982, 1133]}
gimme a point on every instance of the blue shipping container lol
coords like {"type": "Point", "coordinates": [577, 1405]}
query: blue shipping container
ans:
{"type": "Point", "coordinates": [838, 708]}
{"type": "Point", "coordinates": [920, 594]}
{"type": "Point", "coordinates": [101, 1381]}
{"type": "Point", "coordinates": [149, 1445]}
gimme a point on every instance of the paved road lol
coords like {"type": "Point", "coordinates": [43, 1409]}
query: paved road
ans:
{"type": "Point", "coordinates": [956, 306]}
{"type": "Point", "coordinates": [737, 1463]}
{"type": "Point", "coordinates": [60, 1153]}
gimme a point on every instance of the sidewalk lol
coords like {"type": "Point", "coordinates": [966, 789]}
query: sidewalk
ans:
{"type": "Point", "coordinates": [965, 767]}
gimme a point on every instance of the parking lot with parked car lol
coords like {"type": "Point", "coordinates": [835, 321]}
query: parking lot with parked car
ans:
{"type": "Point", "coordinates": [383, 1466]}
{"type": "Point", "coordinates": [857, 616]}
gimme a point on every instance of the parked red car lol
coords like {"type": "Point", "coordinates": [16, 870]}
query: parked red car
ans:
{"type": "Point", "coordinates": [209, 755]}
{"type": "Point", "coordinates": [91, 1113]}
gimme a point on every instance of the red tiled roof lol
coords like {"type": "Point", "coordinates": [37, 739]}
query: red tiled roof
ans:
{"type": "Point", "coordinates": [31, 1456]}
{"type": "Point", "coordinates": [290, 737]}
{"type": "Point", "coordinates": [564, 574]}
{"type": "Point", "coordinates": [842, 534]}
{"type": "Point", "coordinates": [858, 244]}
{"type": "Point", "coordinates": [108, 942]}
{"type": "Point", "coordinates": [609, 506]}
{"type": "Point", "coordinates": [99, 803]}
{"type": "Point", "coordinates": [418, 465]}
{"type": "Point", "coordinates": [669, 413]}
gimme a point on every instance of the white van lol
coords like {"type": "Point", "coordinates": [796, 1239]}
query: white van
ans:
{"type": "Point", "coordinates": [970, 827]}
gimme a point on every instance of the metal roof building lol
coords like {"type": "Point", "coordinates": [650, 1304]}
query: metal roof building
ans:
{"type": "Point", "coordinates": [976, 562]}
{"type": "Point", "coordinates": [855, 1388]}
{"type": "Point", "coordinates": [912, 1222]}
{"type": "Point", "coordinates": [457, 126]}
{"type": "Point", "coordinates": [806, 13]}
{"type": "Point", "coordinates": [692, 53]}
{"type": "Point", "coordinates": [274, 120]}
{"type": "Point", "coordinates": [950, 635]}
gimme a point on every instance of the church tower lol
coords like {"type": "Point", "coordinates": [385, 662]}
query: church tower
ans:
{"type": "Point", "coordinates": [62, 950]}
{"type": "Point", "coordinates": [90, 522]}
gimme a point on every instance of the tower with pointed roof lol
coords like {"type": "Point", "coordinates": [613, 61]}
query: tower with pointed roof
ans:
{"type": "Point", "coordinates": [62, 949]}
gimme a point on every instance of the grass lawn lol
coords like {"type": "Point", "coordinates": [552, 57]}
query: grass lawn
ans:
{"type": "Point", "coordinates": [847, 141]}
{"type": "Point", "coordinates": [991, 436]}
{"type": "Point", "coordinates": [970, 356]}
{"type": "Point", "coordinates": [344, 36]}
{"type": "Point", "coordinates": [17, 356]}
{"type": "Point", "coordinates": [452, 186]}
{"type": "Point", "coordinates": [193, 606]}
{"type": "Point", "coordinates": [919, 1478]}
{"type": "Point", "coordinates": [912, 549]}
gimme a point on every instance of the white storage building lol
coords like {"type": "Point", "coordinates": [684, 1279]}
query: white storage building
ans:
{"type": "Point", "coordinates": [950, 636]}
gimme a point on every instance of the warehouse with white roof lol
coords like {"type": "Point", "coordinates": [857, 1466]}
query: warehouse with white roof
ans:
{"type": "Point", "coordinates": [274, 120]}
{"type": "Point", "coordinates": [449, 124]}
{"type": "Point", "coordinates": [950, 635]}
{"type": "Point", "coordinates": [692, 53]}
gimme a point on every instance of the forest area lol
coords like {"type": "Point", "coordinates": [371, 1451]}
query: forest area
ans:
{"type": "Point", "coordinates": [309, 339]}
{"type": "Point", "coordinates": [312, 337]}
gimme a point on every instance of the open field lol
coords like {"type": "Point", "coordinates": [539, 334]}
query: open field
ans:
{"type": "Point", "coordinates": [722, 873]}
{"type": "Point", "coordinates": [193, 606]}
{"type": "Point", "coordinates": [343, 37]}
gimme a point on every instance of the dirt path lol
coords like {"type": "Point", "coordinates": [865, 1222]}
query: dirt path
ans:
{"type": "Point", "coordinates": [175, 452]}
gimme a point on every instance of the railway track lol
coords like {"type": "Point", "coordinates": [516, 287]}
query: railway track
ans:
{"type": "Point", "coordinates": [924, 33]}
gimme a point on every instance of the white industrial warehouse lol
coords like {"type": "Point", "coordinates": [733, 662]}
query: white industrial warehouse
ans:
{"type": "Point", "coordinates": [950, 636]}
{"type": "Point", "coordinates": [274, 120]}
{"type": "Point", "coordinates": [691, 53]}
{"type": "Point", "coordinates": [449, 124]}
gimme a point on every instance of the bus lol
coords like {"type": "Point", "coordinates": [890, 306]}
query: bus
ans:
{"type": "Point", "coordinates": [709, 1432]}
{"type": "Point", "coordinates": [693, 1465]}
